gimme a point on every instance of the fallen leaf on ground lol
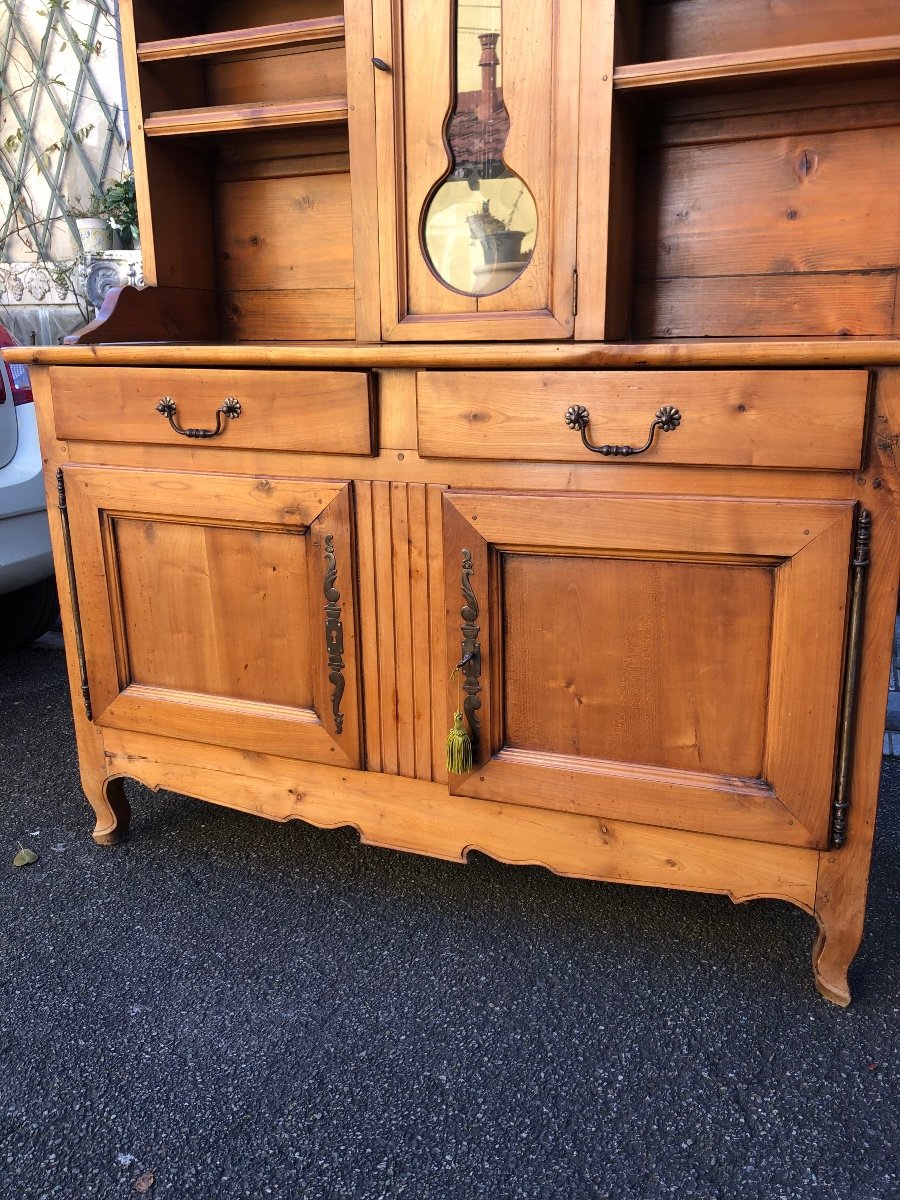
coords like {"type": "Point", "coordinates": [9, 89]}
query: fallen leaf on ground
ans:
{"type": "Point", "coordinates": [24, 858]}
{"type": "Point", "coordinates": [144, 1183]}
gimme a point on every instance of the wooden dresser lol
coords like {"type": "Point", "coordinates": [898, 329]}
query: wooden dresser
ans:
{"type": "Point", "coordinates": [534, 360]}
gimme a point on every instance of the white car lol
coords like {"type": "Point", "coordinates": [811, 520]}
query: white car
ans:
{"type": "Point", "coordinates": [28, 602]}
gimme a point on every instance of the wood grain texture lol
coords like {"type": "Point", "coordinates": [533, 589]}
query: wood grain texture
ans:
{"type": "Point", "coordinates": [204, 45]}
{"type": "Point", "coordinates": [772, 252]}
{"type": "Point", "coordinates": [286, 315]}
{"type": "Point", "coordinates": [714, 528]}
{"type": "Point", "coordinates": [236, 580]}
{"type": "Point", "coordinates": [278, 76]}
{"type": "Point", "coordinates": [807, 660]}
{"type": "Point", "coordinates": [673, 29]}
{"type": "Point", "coordinates": [173, 643]}
{"type": "Point", "coordinates": [822, 59]}
{"type": "Point", "coordinates": [630, 661]}
{"type": "Point", "coordinates": [246, 116]}
{"type": "Point", "coordinates": [784, 209]}
{"type": "Point", "coordinates": [395, 620]}
{"type": "Point", "coordinates": [536, 750]}
{"type": "Point", "coordinates": [844, 303]}
{"type": "Point", "coordinates": [416, 816]}
{"type": "Point", "coordinates": [131, 314]}
{"type": "Point", "coordinates": [243, 14]}
{"type": "Point", "coordinates": [794, 109]}
{"type": "Point", "coordinates": [798, 419]}
{"type": "Point", "coordinates": [697, 352]}
{"type": "Point", "coordinates": [106, 797]}
{"type": "Point", "coordinates": [285, 411]}
{"type": "Point", "coordinates": [364, 182]}
{"type": "Point", "coordinates": [285, 233]}
{"type": "Point", "coordinates": [843, 874]}
{"type": "Point", "coordinates": [599, 218]}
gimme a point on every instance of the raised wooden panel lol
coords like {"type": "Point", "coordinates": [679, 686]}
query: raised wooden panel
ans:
{"type": "Point", "coordinates": [801, 419]}
{"type": "Point", "coordinates": [184, 580]}
{"type": "Point", "coordinates": [657, 659]}
{"type": "Point", "coordinates": [671, 662]}
{"type": "Point", "coordinates": [219, 609]}
{"type": "Point", "coordinates": [317, 411]}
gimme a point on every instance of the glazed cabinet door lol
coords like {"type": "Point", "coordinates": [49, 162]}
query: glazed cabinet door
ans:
{"type": "Point", "coordinates": [664, 660]}
{"type": "Point", "coordinates": [218, 608]}
{"type": "Point", "coordinates": [477, 125]}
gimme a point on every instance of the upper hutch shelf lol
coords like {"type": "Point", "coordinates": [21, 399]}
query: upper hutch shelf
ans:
{"type": "Point", "coordinates": [228, 118]}
{"type": "Point", "coordinates": [321, 31]}
{"type": "Point", "coordinates": [813, 61]}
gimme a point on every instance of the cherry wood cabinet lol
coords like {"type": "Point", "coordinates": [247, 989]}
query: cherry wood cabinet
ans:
{"type": "Point", "coordinates": [533, 361]}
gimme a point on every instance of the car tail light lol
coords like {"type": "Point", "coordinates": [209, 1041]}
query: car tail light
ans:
{"type": "Point", "coordinates": [20, 383]}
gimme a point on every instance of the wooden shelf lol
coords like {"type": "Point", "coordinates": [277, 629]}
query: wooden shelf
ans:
{"type": "Point", "coordinates": [324, 30]}
{"type": "Point", "coordinates": [239, 118]}
{"type": "Point", "coordinates": [820, 58]}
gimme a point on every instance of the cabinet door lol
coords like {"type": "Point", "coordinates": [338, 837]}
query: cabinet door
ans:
{"type": "Point", "coordinates": [477, 123]}
{"type": "Point", "coordinates": [669, 661]}
{"type": "Point", "coordinates": [219, 608]}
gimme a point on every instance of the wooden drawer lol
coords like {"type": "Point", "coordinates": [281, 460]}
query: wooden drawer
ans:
{"type": "Point", "coordinates": [796, 419]}
{"type": "Point", "coordinates": [320, 412]}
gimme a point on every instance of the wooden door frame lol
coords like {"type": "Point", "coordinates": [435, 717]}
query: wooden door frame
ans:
{"type": "Point", "coordinates": [554, 323]}
{"type": "Point", "coordinates": [808, 542]}
{"type": "Point", "coordinates": [96, 496]}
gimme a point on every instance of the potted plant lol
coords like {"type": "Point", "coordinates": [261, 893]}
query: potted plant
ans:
{"type": "Point", "coordinates": [120, 205]}
{"type": "Point", "coordinates": [94, 231]}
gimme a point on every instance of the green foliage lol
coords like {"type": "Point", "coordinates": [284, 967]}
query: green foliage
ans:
{"type": "Point", "coordinates": [120, 206]}
{"type": "Point", "coordinates": [93, 207]}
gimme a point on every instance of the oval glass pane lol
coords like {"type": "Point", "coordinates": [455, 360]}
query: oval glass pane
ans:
{"type": "Point", "coordinates": [480, 222]}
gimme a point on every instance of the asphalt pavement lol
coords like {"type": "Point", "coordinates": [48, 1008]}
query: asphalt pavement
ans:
{"type": "Point", "coordinates": [227, 1008]}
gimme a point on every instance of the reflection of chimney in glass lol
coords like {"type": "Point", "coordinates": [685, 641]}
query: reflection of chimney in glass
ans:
{"type": "Point", "coordinates": [489, 62]}
{"type": "Point", "coordinates": [479, 126]}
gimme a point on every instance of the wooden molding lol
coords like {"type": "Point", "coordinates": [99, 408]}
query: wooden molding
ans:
{"type": "Point", "coordinates": [697, 352]}
{"type": "Point", "coordinates": [263, 37]}
{"type": "Point", "coordinates": [816, 59]}
{"type": "Point", "coordinates": [225, 118]}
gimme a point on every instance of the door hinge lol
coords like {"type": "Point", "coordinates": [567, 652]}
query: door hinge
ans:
{"type": "Point", "coordinates": [574, 291]}
{"type": "Point", "coordinates": [859, 568]}
{"type": "Point", "coordinates": [73, 593]}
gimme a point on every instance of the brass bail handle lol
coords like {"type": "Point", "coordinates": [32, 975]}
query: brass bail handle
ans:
{"type": "Point", "coordinates": [578, 417]}
{"type": "Point", "coordinates": [230, 411]}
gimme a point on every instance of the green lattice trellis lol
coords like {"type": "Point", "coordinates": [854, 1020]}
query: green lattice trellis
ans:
{"type": "Point", "coordinates": [78, 103]}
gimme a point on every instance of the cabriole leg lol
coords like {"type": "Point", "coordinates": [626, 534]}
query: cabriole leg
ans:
{"type": "Point", "coordinates": [107, 798]}
{"type": "Point", "coordinates": [833, 951]}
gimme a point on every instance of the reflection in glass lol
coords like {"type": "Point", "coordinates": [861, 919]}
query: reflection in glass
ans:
{"type": "Point", "coordinates": [480, 223]}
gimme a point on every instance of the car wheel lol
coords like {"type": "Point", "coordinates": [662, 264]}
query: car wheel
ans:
{"type": "Point", "coordinates": [27, 614]}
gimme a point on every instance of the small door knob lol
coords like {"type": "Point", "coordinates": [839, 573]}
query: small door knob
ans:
{"type": "Point", "coordinates": [381, 65]}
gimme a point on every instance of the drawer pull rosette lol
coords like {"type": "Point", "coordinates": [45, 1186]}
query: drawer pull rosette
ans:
{"type": "Point", "coordinates": [230, 411]}
{"type": "Point", "coordinates": [578, 417]}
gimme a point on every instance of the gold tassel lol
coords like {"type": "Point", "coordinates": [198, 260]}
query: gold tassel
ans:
{"type": "Point", "coordinates": [459, 747]}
